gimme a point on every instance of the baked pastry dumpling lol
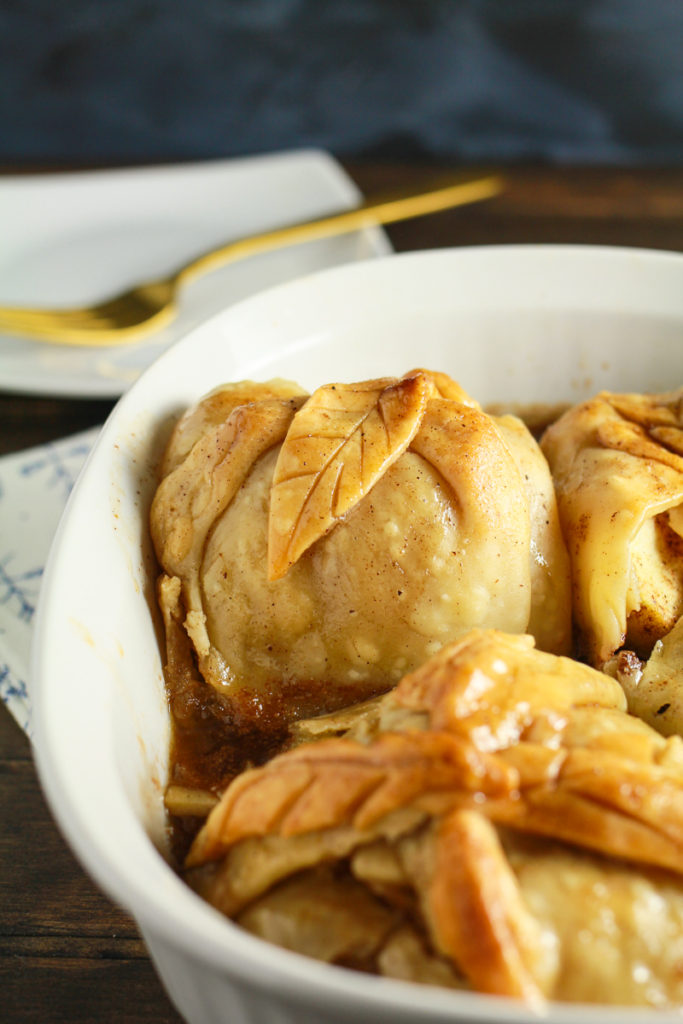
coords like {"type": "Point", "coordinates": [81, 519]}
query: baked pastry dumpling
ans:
{"type": "Point", "coordinates": [326, 544]}
{"type": "Point", "coordinates": [617, 464]}
{"type": "Point", "coordinates": [498, 820]}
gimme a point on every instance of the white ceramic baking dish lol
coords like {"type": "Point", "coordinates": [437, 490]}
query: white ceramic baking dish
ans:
{"type": "Point", "coordinates": [519, 324]}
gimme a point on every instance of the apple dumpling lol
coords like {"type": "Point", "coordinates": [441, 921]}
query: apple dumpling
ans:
{"type": "Point", "coordinates": [498, 821]}
{"type": "Point", "coordinates": [315, 548]}
{"type": "Point", "coordinates": [617, 465]}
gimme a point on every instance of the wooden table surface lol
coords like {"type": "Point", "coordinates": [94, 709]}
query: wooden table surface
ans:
{"type": "Point", "coordinates": [66, 953]}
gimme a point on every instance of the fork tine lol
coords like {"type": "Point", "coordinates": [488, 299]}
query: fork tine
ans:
{"type": "Point", "coordinates": [95, 327]}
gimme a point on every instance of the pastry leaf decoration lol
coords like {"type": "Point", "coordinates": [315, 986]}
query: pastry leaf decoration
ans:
{"type": "Point", "coordinates": [338, 445]}
{"type": "Point", "coordinates": [339, 782]}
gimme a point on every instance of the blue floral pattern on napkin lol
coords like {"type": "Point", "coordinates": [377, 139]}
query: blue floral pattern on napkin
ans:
{"type": "Point", "coordinates": [34, 488]}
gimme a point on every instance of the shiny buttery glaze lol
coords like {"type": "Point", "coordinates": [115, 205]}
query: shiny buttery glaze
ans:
{"type": "Point", "coordinates": [498, 819]}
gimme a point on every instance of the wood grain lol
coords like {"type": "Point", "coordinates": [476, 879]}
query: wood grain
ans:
{"type": "Point", "coordinates": [67, 954]}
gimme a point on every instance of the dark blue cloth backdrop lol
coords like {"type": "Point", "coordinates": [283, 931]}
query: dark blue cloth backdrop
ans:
{"type": "Point", "coordinates": [598, 81]}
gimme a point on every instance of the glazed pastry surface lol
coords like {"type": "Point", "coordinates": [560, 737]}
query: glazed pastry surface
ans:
{"type": "Point", "coordinates": [617, 465]}
{"type": "Point", "coordinates": [330, 543]}
{"type": "Point", "coordinates": [499, 819]}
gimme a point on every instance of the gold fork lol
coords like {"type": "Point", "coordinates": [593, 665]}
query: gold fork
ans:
{"type": "Point", "coordinates": [150, 306]}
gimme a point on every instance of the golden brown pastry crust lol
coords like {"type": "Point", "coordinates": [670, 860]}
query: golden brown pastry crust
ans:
{"type": "Point", "coordinates": [488, 740]}
{"type": "Point", "coordinates": [392, 514]}
{"type": "Point", "coordinates": [338, 445]}
{"type": "Point", "coordinates": [617, 464]}
{"type": "Point", "coordinates": [477, 915]}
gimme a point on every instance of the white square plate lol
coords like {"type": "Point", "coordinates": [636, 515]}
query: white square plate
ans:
{"type": "Point", "coordinates": [75, 238]}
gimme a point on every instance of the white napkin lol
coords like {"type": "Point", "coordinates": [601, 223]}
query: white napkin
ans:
{"type": "Point", "coordinates": [34, 487]}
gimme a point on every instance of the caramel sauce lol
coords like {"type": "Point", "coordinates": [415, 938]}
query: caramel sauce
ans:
{"type": "Point", "coordinates": [214, 739]}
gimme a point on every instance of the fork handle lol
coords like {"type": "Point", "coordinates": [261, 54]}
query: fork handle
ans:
{"type": "Point", "coordinates": [368, 215]}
